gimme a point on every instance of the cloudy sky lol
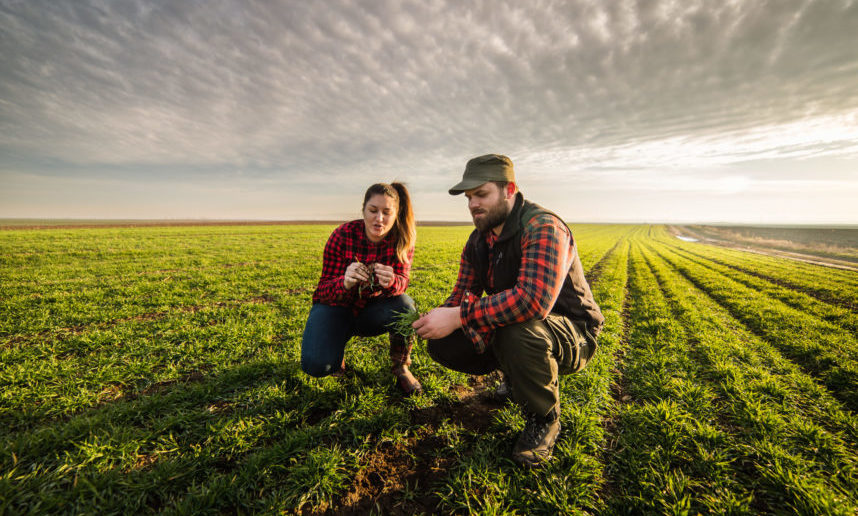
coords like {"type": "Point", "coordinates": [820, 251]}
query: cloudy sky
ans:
{"type": "Point", "coordinates": [730, 111]}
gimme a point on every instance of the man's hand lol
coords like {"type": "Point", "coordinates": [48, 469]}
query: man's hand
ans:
{"type": "Point", "coordinates": [438, 323]}
{"type": "Point", "coordinates": [384, 274]}
{"type": "Point", "coordinates": [356, 273]}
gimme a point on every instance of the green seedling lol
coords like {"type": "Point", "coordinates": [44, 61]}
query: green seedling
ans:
{"type": "Point", "coordinates": [402, 322]}
{"type": "Point", "coordinates": [372, 283]}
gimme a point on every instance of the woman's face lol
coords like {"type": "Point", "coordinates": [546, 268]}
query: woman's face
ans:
{"type": "Point", "coordinates": [379, 215]}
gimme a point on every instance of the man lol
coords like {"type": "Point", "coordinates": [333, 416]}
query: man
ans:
{"type": "Point", "coordinates": [538, 318]}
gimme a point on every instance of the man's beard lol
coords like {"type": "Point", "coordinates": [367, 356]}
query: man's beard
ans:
{"type": "Point", "coordinates": [493, 217]}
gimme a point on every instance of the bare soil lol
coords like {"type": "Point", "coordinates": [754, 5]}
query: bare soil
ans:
{"type": "Point", "coordinates": [411, 466]}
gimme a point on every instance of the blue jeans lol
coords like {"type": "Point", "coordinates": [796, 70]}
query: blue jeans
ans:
{"type": "Point", "coordinates": [329, 328]}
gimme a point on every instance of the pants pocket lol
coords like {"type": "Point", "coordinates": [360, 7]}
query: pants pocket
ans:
{"type": "Point", "coordinates": [587, 348]}
{"type": "Point", "coordinates": [575, 346]}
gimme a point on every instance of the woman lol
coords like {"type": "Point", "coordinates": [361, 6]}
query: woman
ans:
{"type": "Point", "coordinates": [364, 276]}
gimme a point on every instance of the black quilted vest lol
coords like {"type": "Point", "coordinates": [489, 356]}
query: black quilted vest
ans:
{"type": "Point", "coordinates": [575, 300]}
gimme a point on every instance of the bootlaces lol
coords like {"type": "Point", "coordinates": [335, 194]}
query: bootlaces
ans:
{"type": "Point", "coordinates": [534, 430]}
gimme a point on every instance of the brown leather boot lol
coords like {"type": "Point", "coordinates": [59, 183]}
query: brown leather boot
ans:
{"type": "Point", "coordinates": [400, 355]}
{"type": "Point", "coordinates": [406, 381]}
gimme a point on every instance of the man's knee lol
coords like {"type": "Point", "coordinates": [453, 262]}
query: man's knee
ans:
{"type": "Point", "coordinates": [530, 334]}
{"type": "Point", "coordinates": [456, 352]}
{"type": "Point", "coordinates": [436, 351]}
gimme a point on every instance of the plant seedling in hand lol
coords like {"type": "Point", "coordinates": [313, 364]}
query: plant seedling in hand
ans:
{"type": "Point", "coordinates": [402, 323]}
{"type": "Point", "coordinates": [372, 283]}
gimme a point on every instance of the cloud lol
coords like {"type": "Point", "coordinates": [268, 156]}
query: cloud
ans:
{"type": "Point", "coordinates": [346, 90]}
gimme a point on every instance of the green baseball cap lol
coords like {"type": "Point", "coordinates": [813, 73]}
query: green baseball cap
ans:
{"type": "Point", "coordinates": [482, 169]}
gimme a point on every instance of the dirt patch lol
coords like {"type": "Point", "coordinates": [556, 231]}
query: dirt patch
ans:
{"type": "Point", "coordinates": [239, 264]}
{"type": "Point", "coordinates": [473, 411]}
{"type": "Point", "coordinates": [115, 392]}
{"type": "Point", "coordinates": [392, 474]}
{"type": "Point", "coordinates": [262, 299]}
{"type": "Point", "coordinates": [111, 393]}
{"type": "Point", "coordinates": [143, 462]}
{"type": "Point", "coordinates": [394, 478]}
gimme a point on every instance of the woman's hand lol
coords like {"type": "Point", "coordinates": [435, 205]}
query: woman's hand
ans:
{"type": "Point", "coordinates": [384, 274]}
{"type": "Point", "coordinates": [356, 273]}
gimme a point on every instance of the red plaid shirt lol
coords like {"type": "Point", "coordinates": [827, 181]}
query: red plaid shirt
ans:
{"type": "Point", "coordinates": [349, 243]}
{"type": "Point", "coordinates": [547, 252]}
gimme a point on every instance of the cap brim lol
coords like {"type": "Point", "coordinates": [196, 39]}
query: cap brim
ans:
{"type": "Point", "coordinates": [467, 184]}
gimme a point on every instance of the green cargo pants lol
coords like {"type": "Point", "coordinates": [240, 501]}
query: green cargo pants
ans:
{"type": "Point", "coordinates": [531, 355]}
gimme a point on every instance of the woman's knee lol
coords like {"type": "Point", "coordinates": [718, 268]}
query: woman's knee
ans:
{"type": "Point", "coordinates": [324, 339]}
{"type": "Point", "coordinates": [318, 358]}
{"type": "Point", "coordinates": [316, 368]}
{"type": "Point", "coordinates": [403, 303]}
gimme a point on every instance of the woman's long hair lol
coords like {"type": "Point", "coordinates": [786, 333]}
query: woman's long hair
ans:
{"type": "Point", "coordinates": [404, 229]}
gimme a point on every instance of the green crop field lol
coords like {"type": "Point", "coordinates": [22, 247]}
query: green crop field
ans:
{"type": "Point", "coordinates": [156, 369]}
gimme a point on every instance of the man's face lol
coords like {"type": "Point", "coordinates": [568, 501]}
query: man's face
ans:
{"type": "Point", "coordinates": [488, 206]}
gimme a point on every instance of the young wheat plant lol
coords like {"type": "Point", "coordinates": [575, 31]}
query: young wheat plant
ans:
{"type": "Point", "coordinates": [402, 322]}
{"type": "Point", "coordinates": [371, 283]}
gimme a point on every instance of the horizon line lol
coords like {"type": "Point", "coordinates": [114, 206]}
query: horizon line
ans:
{"type": "Point", "coordinates": [34, 222]}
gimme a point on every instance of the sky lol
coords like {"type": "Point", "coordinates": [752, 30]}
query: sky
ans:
{"type": "Point", "coordinates": [621, 111]}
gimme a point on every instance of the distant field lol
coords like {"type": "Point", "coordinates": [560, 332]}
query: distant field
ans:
{"type": "Point", "coordinates": [103, 223]}
{"type": "Point", "coordinates": [836, 243]}
{"type": "Point", "coordinates": [157, 369]}
{"type": "Point", "coordinates": [139, 223]}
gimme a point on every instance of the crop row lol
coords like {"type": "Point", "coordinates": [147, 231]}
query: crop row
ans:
{"type": "Point", "coordinates": [828, 284]}
{"type": "Point", "coordinates": [707, 317]}
{"type": "Point", "coordinates": [836, 315]}
{"type": "Point", "coordinates": [715, 420]}
{"type": "Point", "coordinates": [822, 349]}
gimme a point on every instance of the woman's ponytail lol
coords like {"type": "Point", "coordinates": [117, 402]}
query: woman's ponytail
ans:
{"type": "Point", "coordinates": [405, 226]}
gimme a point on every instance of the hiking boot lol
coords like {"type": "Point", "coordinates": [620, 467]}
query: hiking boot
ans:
{"type": "Point", "coordinates": [536, 441]}
{"type": "Point", "coordinates": [502, 392]}
{"type": "Point", "coordinates": [406, 381]}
